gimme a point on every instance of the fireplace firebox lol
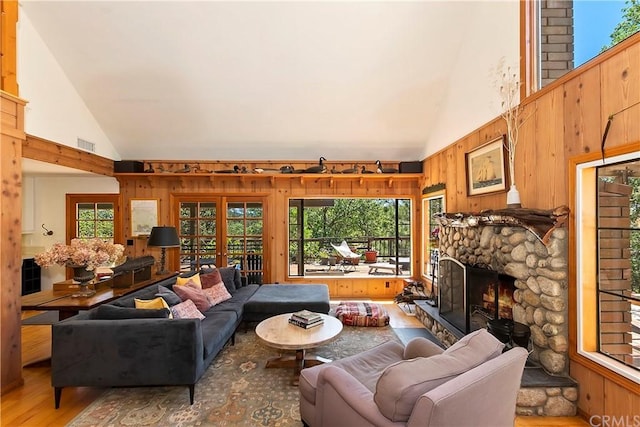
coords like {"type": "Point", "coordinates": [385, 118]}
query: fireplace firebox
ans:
{"type": "Point", "coordinates": [470, 296]}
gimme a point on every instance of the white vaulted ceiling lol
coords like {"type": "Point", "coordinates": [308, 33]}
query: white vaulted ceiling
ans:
{"type": "Point", "coordinates": [279, 80]}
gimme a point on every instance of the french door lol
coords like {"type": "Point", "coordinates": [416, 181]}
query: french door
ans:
{"type": "Point", "coordinates": [222, 231]}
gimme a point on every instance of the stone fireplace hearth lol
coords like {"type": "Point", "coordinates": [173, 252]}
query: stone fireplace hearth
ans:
{"type": "Point", "coordinates": [531, 246]}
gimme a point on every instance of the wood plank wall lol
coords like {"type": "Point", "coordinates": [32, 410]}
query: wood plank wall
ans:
{"type": "Point", "coordinates": [569, 118]}
{"type": "Point", "coordinates": [12, 136]}
{"type": "Point", "coordinates": [8, 46]}
{"type": "Point", "coordinates": [276, 191]}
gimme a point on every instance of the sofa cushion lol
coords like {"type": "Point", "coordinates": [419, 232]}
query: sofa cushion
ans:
{"type": "Point", "coordinates": [183, 280]}
{"type": "Point", "coordinates": [112, 312]}
{"type": "Point", "coordinates": [231, 278]}
{"type": "Point", "coordinates": [217, 293]}
{"type": "Point", "coordinates": [402, 383]}
{"type": "Point", "coordinates": [270, 300]}
{"type": "Point", "coordinates": [168, 295]}
{"type": "Point", "coordinates": [148, 304]}
{"type": "Point", "coordinates": [210, 279]}
{"type": "Point", "coordinates": [237, 301]}
{"type": "Point", "coordinates": [195, 293]}
{"type": "Point", "coordinates": [186, 310]}
{"type": "Point", "coordinates": [217, 328]}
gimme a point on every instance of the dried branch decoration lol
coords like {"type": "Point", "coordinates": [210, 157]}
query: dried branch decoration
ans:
{"type": "Point", "coordinates": [508, 85]}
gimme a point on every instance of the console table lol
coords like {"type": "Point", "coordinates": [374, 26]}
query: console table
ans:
{"type": "Point", "coordinates": [67, 306]}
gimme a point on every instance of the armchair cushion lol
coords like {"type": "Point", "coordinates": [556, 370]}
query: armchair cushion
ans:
{"type": "Point", "coordinates": [421, 347]}
{"type": "Point", "coordinates": [402, 383]}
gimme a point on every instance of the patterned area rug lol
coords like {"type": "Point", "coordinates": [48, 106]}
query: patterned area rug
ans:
{"type": "Point", "coordinates": [236, 389]}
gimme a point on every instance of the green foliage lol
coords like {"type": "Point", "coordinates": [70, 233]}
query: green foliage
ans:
{"type": "Point", "coordinates": [95, 220]}
{"type": "Point", "coordinates": [630, 23]}
{"type": "Point", "coordinates": [349, 219]}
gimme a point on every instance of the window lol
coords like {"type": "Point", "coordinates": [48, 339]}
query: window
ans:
{"type": "Point", "coordinates": [431, 205]}
{"type": "Point", "coordinates": [378, 231]}
{"type": "Point", "coordinates": [563, 35]}
{"type": "Point", "coordinates": [93, 215]}
{"type": "Point", "coordinates": [608, 253]}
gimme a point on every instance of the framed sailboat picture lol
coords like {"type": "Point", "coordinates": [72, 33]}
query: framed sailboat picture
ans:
{"type": "Point", "coordinates": [486, 168]}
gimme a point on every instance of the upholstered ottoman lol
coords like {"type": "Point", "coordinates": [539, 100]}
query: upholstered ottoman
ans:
{"type": "Point", "coordinates": [270, 300]}
{"type": "Point", "coordinates": [362, 314]}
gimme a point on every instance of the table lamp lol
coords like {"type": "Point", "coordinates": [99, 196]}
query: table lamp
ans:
{"type": "Point", "coordinates": [163, 237]}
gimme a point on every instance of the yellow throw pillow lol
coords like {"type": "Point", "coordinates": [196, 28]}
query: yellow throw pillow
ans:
{"type": "Point", "coordinates": [181, 281]}
{"type": "Point", "coordinates": [151, 304]}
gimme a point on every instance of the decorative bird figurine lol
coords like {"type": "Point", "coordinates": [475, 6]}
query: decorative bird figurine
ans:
{"type": "Point", "coordinates": [364, 170]}
{"type": "Point", "coordinates": [321, 168]}
{"type": "Point", "coordinates": [380, 169]}
{"type": "Point", "coordinates": [149, 169]}
{"type": "Point", "coordinates": [185, 169]}
{"type": "Point", "coordinates": [354, 169]}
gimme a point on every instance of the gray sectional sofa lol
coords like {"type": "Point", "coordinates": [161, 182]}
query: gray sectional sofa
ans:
{"type": "Point", "coordinates": [89, 350]}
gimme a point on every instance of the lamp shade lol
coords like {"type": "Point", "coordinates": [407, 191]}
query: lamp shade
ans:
{"type": "Point", "coordinates": [164, 237]}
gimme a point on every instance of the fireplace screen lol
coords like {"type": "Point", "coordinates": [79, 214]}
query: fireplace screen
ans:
{"type": "Point", "coordinates": [471, 296]}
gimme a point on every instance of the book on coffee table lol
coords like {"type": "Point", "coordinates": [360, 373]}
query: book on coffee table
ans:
{"type": "Point", "coordinates": [305, 325]}
{"type": "Point", "coordinates": [306, 316]}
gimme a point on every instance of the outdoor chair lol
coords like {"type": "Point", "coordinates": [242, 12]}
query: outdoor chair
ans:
{"type": "Point", "coordinates": [349, 258]}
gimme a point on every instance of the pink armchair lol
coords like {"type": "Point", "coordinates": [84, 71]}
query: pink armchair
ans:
{"type": "Point", "coordinates": [470, 384]}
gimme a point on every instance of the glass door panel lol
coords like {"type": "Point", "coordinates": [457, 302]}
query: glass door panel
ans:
{"type": "Point", "coordinates": [198, 235]}
{"type": "Point", "coordinates": [221, 232]}
{"type": "Point", "coordinates": [244, 238]}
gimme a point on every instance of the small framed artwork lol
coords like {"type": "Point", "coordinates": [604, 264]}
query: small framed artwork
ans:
{"type": "Point", "coordinates": [485, 168]}
{"type": "Point", "coordinates": [144, 216]}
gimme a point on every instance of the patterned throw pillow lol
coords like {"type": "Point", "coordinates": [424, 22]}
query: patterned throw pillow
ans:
{"type": "Point", "coordinates": [217, 293]}
{"type": "Point", "coordinates": [181, 281]}
{"type": "Point", "coordinates": [210, 279]}
{"type": "Point", "coordinates": [195, 293]}
{"type": "Point", "coordinates": [186, 310]}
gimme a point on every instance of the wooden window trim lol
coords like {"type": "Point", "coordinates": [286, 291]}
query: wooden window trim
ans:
{"type": "Point", "coordinates": [589, 306]}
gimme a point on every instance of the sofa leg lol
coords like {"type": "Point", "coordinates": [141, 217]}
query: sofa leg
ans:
{"type": "Point", "coordinates": [57, 392]}
{"type": "Point", "coordinates": [233, 338]}
{"type": "Point", "coordinates": [192, 390]}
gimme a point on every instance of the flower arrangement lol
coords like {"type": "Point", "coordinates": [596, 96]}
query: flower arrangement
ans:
{"type": "Point", "coordinates": [90, 253]}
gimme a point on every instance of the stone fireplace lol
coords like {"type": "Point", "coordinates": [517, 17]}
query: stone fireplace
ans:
{"type": "Point", "coordinates": [530, 246]}
{"type": "Point", "coordinates": [469, 296]}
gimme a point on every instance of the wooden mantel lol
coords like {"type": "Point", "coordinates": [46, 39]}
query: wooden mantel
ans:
{"type": "Point", "coordinates": [539, 222]}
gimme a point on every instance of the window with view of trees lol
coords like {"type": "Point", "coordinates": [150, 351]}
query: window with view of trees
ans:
{"type": "Point", "coordinates": [565, 34]}
{"type": "Point", "coordinates": [378, 230]}
{"type": "Point", "coordinates": [93, 215]}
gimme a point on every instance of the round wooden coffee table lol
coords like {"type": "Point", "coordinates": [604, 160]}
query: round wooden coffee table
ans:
{"type": "Point", "coordinates": [278, 333]}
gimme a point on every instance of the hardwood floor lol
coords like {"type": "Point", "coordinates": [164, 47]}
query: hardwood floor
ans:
{"type": "Point", "coordinates": [32, 404]}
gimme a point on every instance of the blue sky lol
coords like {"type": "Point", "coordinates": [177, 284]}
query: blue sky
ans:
{"type": "Point", "coordinates": [594, 21]}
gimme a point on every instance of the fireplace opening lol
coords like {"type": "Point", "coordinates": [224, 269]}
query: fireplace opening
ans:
{"type": "Point", "coordinates": [470, 296]}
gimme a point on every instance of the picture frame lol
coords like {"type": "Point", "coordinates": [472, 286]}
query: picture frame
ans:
{"type": "Point", "coordinates": [144, 216]}
{"type": "Point", "coordinates": [485, 167]}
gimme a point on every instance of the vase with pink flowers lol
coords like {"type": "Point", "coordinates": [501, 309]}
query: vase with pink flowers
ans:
{"type": "Point", "coordinates": [83, 255]}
